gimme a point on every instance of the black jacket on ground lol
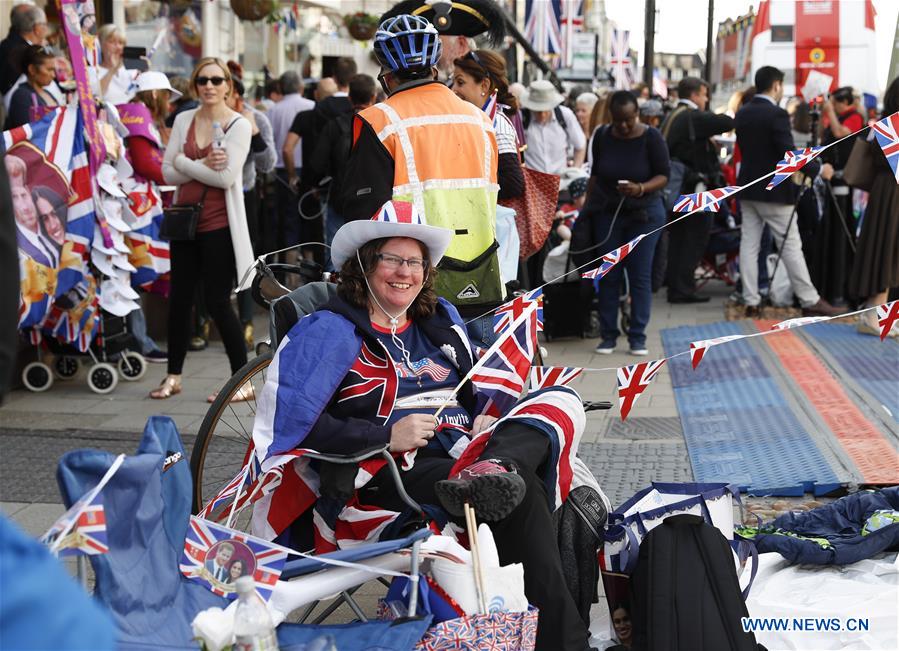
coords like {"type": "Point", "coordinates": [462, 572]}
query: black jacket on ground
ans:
{"type": "Point", "coordinates": [763, 134]}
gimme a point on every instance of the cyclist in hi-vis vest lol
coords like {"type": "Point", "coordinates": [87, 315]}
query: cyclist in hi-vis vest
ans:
{"type": "Point", "coordinates": [426, 146]}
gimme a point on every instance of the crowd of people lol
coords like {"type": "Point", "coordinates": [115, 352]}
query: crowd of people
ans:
{"type": "Point", "coordinates": [394, 182]}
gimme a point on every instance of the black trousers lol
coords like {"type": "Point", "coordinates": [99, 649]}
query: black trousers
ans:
{"type": "Point", "coordinates": [207, 260]}
{"type": "Point", "coordinates": [687, 242]}
{"type": "Point", "coordinates": [527, 535]}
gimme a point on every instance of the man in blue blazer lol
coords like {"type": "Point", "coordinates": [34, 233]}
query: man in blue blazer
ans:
{"type": "Point", "coordinates": [763, 135]}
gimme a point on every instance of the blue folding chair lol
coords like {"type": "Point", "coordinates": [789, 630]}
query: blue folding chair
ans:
{"type": "Point", "coordinates": [147, 505]}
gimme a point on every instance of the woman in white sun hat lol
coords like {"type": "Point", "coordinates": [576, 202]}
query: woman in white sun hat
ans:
{"type": "Point", "coordinates": [373, 366]}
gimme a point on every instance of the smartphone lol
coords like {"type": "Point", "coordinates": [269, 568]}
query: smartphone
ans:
{"type": "Point", "coordinates": [132, 58]}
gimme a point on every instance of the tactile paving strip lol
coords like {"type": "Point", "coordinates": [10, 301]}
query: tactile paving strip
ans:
{"type": "Point", "coordinates": [739, 427]}
{"type": "Point", "coordinates": [864, 443]}
{"type": "Point", "coordinates": [872, 363]}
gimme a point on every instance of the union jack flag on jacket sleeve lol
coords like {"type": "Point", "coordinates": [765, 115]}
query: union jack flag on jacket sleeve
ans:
{"type": "Point", "coordinates": [612, 258]}
{"type": "Point", "coordinates": [793, 161]}
{"type": "Point", "coordinates": [887, 133]}
{"type": "Point", "coordinates": [708, 201]}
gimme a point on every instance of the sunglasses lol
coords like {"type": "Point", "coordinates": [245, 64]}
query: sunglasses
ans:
{"type": "Point", "coordinates": [216, 81]}
{"type": "Point", "coordinates": [474, 57]}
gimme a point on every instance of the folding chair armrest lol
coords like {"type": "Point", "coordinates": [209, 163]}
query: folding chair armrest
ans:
{"type": "Point", "coordinates": [349, 458]}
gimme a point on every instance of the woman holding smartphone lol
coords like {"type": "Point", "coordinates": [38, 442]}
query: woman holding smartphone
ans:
{"type": "Point", "coordinates": [630, 168]}
{"type": "Point", "coordinates": [204, 158]}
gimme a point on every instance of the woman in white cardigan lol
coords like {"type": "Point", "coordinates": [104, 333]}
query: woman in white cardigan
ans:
{"type": "Point", "coordinates": [221, 251]}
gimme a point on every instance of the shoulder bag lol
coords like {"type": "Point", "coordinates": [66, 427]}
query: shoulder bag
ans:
{"type": "Point", "coordinates": [860, 168]}
{"type": "Point", "coordinates": [179, 222]}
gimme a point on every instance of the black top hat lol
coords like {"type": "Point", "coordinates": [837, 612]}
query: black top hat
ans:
{"type": "Point", "coordinates": [457, 17]}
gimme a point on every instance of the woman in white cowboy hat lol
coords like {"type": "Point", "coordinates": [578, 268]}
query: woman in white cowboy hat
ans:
{"type": "Point", "coordinates": [552, 131]}
{"type": "Point", "coordinates": [372, 367]}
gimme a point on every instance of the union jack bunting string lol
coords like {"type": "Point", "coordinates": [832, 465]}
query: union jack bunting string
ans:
{"type": "Point", "coordinates": [633, 381]}
{"type": "Point", "coordinates": [801, 321]}
{"type": "Point", "coordinates": [793, 161]}
{"type": "Point", "coordinates": [500, 376]}
{"type": "Point", "coordinates": [887, 133]}
{"type": "Point", "coordinates": [553, 376]}
{"type": "Point", "coordinates": [506, 313]}
{"type": "Point", "coordinates": [612, 258]}
{"type": "Point", "coordinates": [887, 315]}
{"type": "Point", "coordinates": [699, 348]}
{"type": "Point", "coordinates": [708, 201]}
{"type": "Point", "coordinates": [216, 557]}
{"type": "Point", "coordinates": [87, 533]}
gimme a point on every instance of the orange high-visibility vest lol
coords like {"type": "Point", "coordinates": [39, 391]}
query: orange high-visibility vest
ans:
{"type": "Point", "coordinates": [445, 156]}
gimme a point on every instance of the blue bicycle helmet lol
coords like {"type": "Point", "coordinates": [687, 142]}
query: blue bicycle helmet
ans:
{"type": "Point", "coordinates": [408, 43]}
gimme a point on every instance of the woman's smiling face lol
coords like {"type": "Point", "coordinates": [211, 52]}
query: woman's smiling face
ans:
{"type": "Point", "coordinates": [394, 285]}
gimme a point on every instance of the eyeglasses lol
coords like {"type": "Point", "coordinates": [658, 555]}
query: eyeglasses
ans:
{"type": "Point", "coordinates": [394, 262]}
{"type": "Point", "coordinates": [216, 81]}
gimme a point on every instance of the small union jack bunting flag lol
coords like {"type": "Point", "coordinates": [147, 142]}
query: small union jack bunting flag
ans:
{"type": "Point", "coordinates": [552, 376]}
{"type": "Point", "coordinates": [216, 557]}
{"type": "Point", "coordinates": [699, 348]}
{"type": "Point", "coordinates": [612, 258]}
{"type": "Point", "coordinates": [87, 535]}
{"type": "Point", "coordinates": [887, 315]}
{"type": "Point", "coordinates": [708, 201]}
{"type": "Point", "coordinates": [506, 313]}
{"type": "Point", "coordinates": [633, 380]}
{"type": "Point", "coordinates": [799, 322]}
{"type": "Point", "coordinates": [887, 133]}
{"type": "Point", "coordinates": [793, 161]}
{"type": "Point", "coordinates": [244, 480]}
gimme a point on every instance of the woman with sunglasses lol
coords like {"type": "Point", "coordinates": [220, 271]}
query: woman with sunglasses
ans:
{"type": "Point", "coordinates": [39, 66]}
{"type": "Point", "coordinates": [479, 78]}
{"type": "Point", "coordinates": [208, 172]}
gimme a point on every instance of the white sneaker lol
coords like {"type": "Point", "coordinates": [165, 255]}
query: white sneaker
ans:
{"type": "Point", "coordinates": [605, 348]}
{"type": "Point", "coordinates": [639, 352]}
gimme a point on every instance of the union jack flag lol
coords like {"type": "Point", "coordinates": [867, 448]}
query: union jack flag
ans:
{"type": "Point", "coordinates": [707, 201]}
{"type": "Point", "coordinates": [506, 313]}
{"type": "Point", "coordinates": [887, 133]}
{"type": "Point", "coordinates": [553, 376]}
{"type": "Point", "coordinates": [502, 373]}
{"type": "Point", "coordinates": [621, 59]}
{"type": "Point", "coordinates": [699, 348]}
{"type": "Point", "coordinates": [793, 161]}
{"type": "Point", "coordinates": [375, 374]}
{"type": "Point", "coordinates": [572, 21]}
{"type": "Point", "coordinates": [612, 258]}
{"type": "Point", "coordinates": [491, 106]}
{"type": "Point", "coordinates": [86, 525]}
{"type": "Point", "coordinates": [542, 25]}
{"type": "Point", "coordinates": [887, 315]}
{"type": "Point", "coordinates": [633, 381]}
{"type": "Point", "coordinates": [799, 322]}
{"type": "Point", "coordinates": [204, 557]}
{"type": "Point", "coordinates": [244, 480]}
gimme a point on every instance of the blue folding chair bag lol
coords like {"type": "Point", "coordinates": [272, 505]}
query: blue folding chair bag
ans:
{"type": "Point", "coordinates": [147, 504]}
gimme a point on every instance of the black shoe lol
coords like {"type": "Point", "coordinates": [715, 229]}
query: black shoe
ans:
{"type": "Point", "coordinates": [156, 356]}
{"type": "Point", "coordinates": [489, 486]}
{"type": "Point", "coordinates": [692, 298]}
{"type": "Point", "coordinates": [753, 312]}
{"type": "Point", "coordinates": [197, 343]}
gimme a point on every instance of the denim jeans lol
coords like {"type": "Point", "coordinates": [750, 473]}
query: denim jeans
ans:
{"type": "Point", "coordinates": [137, 325]}
{"type": "Point", "coordinates": [480, 331]}
{"type": "Point", "coordinates": [639, 272]}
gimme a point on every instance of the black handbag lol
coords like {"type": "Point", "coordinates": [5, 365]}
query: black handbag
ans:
{"type": "Point", "coordinates": [179, 222]}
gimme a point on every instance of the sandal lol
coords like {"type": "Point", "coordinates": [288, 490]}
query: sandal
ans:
{"type": "Point", "coordinates": [244, 393]}
{"type": "Point", "coordinates": [170, 386]}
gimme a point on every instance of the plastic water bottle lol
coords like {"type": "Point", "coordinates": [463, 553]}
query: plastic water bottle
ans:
{"type": "Point", "coordinates": [218, 136]}
{"type": "Point", "coordinates": [253, 628]}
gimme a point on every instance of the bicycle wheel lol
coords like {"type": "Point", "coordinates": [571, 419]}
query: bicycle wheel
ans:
{"type": "Point", "coordinates": [226, 432]}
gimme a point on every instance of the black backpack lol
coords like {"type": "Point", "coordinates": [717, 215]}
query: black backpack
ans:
{"type": "Point", "coordinates": [685, 595]}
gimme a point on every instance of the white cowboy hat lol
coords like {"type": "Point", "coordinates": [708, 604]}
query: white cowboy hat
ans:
{"type": "Point", "coordinates": [541, 96]}
{"type": "Point", "coordinates": [394, 219]}
{"type": "Point", "coordinates": [153, 80]}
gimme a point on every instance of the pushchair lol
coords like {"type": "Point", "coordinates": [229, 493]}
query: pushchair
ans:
{"type": "Point", "coordinates": [111, 353]}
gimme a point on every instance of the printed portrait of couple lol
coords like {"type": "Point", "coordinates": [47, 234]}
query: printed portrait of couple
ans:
{"type": "Point", "coordinates": [228, 560]}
